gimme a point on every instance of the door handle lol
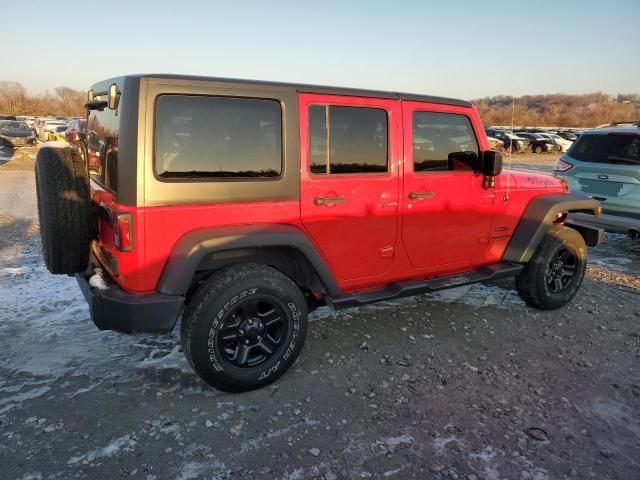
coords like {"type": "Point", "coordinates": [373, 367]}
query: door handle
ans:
{"type": "Point", "coordinates": [418, 195]}
{"type": "Point", "coordinates": [319, 201]}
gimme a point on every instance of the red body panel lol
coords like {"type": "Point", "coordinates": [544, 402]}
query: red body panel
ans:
{"type": "Point", "coordinates": [377, 236]}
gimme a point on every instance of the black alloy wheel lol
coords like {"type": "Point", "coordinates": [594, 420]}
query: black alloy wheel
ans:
{"type": "Point", "coordinates": [253, 331]}
{"type": "Point", "coordinates": [561, 271]}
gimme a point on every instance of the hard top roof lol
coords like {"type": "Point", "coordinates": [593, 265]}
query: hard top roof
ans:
{"type": "Point", "coordinates": [303, 88]}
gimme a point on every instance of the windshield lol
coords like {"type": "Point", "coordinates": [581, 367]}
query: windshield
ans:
{"type": "Point", "coordinates": [61, 128]}
{"type": "Point", "coordinates": [13, 126]}
{"type": "Point", "coordinates": [612, 148]}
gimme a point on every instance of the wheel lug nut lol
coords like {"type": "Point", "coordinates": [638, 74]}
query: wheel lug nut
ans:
{"type": "Point", "coordinates": [246, 342]}
{"type": "Point", "coordinates": [250, 322]}
{"type": "Point", "coordinates": [259, 337]}
{"type": "Point", "coordinates": [241, 332]}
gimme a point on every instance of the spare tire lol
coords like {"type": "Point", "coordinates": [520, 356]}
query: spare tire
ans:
{"type": "Point", "coordinates": [64, 209]}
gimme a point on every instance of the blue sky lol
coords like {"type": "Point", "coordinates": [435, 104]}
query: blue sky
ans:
{"type": "Point", "coordinates": [467, 49]}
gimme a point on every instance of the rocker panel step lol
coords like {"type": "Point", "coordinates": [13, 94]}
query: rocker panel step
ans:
{"type": "Point", "coordinates": [416, 287]}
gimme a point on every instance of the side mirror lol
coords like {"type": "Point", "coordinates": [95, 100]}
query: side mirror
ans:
{"type": "Point", "coordinates": [491, 167]}
{"type": "Point", "coordinates": [114, 97]}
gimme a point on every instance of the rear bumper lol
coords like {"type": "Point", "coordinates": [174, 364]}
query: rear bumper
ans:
{"type": "Point", "coordinates": [115, 309]}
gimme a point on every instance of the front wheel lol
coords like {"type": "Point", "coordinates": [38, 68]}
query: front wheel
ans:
{"type": "Point", "coordinates": [555, 272]}
{"type": "Point", "coordinates": [244, 327]}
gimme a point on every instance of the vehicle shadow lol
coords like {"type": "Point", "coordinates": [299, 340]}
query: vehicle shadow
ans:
{"type": "Point", "coordinates": [7, 152]}
{"type": "Point", "coordinates": [14, 230]}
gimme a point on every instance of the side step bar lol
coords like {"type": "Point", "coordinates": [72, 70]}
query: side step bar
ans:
{"type": "Point", "coordinates": [416, 287]}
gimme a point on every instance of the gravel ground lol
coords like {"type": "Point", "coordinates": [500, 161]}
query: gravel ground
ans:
{"type": "Point", "coordinates": [464, 384]}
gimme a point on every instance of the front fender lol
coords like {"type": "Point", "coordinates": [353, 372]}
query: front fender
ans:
{"type": "Point", "coordinates": [539, 215]}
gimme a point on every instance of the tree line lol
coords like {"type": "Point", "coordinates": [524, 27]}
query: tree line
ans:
{"type": "Point", "coordinates": [16, 100]}
{"type": "Point", "coordinates": [559, 110]}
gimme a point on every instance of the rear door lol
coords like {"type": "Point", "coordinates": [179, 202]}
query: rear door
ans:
{"type": "Point", "coordinates": [446, 213]}
{"type": "Point", "coordinates": [349, 196]}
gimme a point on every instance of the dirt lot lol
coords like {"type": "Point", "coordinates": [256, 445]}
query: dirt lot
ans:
{"type": "Point", "coordinates": [465, 384]}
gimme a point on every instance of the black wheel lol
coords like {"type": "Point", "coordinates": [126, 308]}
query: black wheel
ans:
{"type": "Point", "coordinates": [555, 272]}
{"type": "Point", "coordinates": [244, 327]}
{"type": "Point", "coordinates": [64, 209]}
{"type": "Point", "coordinates": [537, 149]}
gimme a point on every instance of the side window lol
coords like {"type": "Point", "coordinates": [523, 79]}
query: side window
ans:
{"type": "Point", "coordinates": [347, 140]}
{"type": "Point", "coordinates": [217, 137]}
{"type": "Point", "coordinates": [443, 142]}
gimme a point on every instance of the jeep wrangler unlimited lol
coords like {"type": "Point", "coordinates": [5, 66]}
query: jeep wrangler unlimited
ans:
{"type": "Point", "coordinates": [241, 205]}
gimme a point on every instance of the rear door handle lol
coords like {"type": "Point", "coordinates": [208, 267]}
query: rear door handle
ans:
{"type": "Point", "coordinates": [319, 201]}
{"type": "Point", "coordinates": [418, 195]}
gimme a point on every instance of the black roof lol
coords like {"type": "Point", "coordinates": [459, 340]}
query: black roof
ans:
{"type": "Point", "coordinates": [317, 89]}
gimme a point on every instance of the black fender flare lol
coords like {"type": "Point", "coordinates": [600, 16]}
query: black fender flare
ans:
{"type": "Point", "coordinates": [193, 248]}
{"type": "Point", "coordinates": [539, 215]}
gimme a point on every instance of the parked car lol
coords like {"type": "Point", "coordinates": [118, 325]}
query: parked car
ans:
{"type": "Point", "coordinates": [8, 117]}
{"type": "Point", "coordinates": [561, 144]}
{"type": "Point", "coordinates": [538, 143]}
{"type": "Point", "coordinates": [246, 204]}
{"type": "Point", "coordinates": [511, 141]}
{"type": "Point", "coordinates": [495, 143]}
{"type": "Point", "coordinates": [57, 133]}
{"type": "Point", "coordinates": [605, 164]}
{"type": "Point", "coordinates": [16, 133]}
{"type": "Point", "coordinates": [567, 135]}
{"type": "Point", "coordinates": [74, 133]}
{"type": "Point", "coordinates": [50, 127]}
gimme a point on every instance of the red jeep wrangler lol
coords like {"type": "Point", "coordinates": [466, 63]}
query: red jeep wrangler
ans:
{"type": "Point", "coordinates": [241, 205]}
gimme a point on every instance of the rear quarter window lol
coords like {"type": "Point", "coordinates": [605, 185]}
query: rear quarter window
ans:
{"type": "Point", "coordinates": [200, 137]}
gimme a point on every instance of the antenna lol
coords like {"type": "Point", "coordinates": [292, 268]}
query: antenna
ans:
{"type": "Point", "coordinates": [505, 198]}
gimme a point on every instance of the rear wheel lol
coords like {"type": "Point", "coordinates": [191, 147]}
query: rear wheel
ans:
{"type": "Point", "coordinates": [537, 149]}
{"type": "Point", "coordinates": [244, 327]}
{"type": "Point", "coordinates": [555, 272]}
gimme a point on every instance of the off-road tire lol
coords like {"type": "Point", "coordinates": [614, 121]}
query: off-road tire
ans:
{"type": "Point", "coordinates": [64, 209]}
{"type": "Point", "coordinates": [214, 307]}
{"type": "Point", "coordinates": [532, 282]}
{"type": "Point", "coordinates": [537, 149]}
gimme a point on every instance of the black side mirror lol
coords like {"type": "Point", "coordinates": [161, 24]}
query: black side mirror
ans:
{"type": "Point", "coordinates": [491, 167]}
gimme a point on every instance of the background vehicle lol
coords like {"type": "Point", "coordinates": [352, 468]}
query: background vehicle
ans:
{"type": "Point", "coordinates": [605, 164]}
{"type": "Point", "coordinates": [16, 133]}
{"type": "Point", "coordinates": [73, 134]}
{"type": "Point", "coordinates": [567, 135]}
{"type": "Point", "coordinates": [538, 143]}
{"type": "Point", "coordinates": [57, 133]}
{"type": "Point", "coordinates": [246, 204]}
{"type": "Point", "coordinates": [495, 143]}
{"type": "Point", "coordinates": [511, 141]}
{"type": "Point", "coordinates": [49, 127]}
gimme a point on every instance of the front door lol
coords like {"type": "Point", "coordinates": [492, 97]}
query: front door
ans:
{"type": "Point", "coordinates": [447, 213]}
{"type": "Point", "coordinates": [350, 183]}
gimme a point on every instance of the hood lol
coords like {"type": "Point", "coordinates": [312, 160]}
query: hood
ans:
{"type": "Point", "coordinates": [16, 133]}
{"type": "Point", "coordinates": [532, 181]}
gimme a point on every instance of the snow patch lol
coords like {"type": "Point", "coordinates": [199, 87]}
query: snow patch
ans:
{"type": "Point", "coordinates": [16, 400]}
{"type": "Point", "coordinates": [54, 144]}
{"type": "Point", "coordinates": [479, 295]}
{"type": "Point", "coordinates": [163, 359]}
{"type": "Point", "coordinates": [125, 443]}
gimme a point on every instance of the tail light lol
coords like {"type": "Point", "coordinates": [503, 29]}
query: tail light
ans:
{"type": "Point", "coordinates": [562, 166]}
{"type": "Point", "coordinates": [123, 232]}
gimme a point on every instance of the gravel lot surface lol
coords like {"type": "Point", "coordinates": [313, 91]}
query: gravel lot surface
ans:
{"type": "Point", "coordinates": [464, 384]}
